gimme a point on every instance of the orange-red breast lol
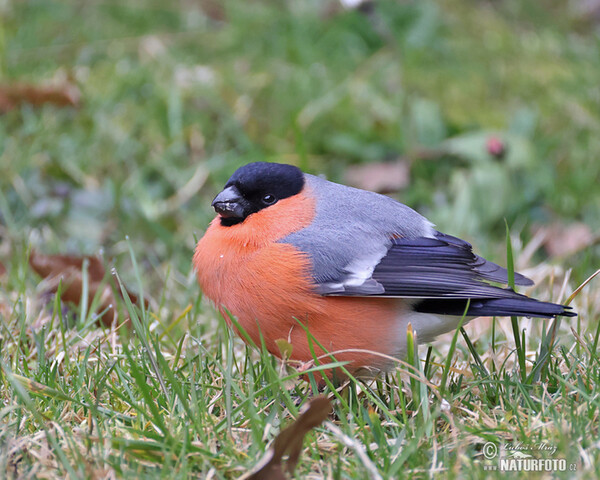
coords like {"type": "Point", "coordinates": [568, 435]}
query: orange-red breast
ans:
{"type": "Point", "coordinates": [354, 267]}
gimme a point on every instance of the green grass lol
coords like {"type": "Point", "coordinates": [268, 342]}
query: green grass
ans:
{"type": "Point", "coordinates": [175, 96]}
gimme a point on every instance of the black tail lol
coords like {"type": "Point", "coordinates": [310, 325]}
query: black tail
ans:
{"type": "Point", "coordinates": [519, 305]}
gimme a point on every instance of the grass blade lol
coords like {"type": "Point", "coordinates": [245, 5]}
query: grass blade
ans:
{"type": "Point", "coordinates": [514, 321]}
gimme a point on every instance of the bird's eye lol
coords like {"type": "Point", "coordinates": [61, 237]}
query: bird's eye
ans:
{"type": "Point", "coordinates": [269, 199]}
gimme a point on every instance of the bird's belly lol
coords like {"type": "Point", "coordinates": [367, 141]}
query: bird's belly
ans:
{"type": "Point", "coordinates": [269, 291]}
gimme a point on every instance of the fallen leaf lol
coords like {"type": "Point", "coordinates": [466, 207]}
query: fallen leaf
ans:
{"type": "Point", "coordinates": [289, 441]}
{"type": "Point", "coordinates": [562, 240]}
{"type": "Point", "coordinates": [384, 177]}
{"type": "Point", "coordinates": [587, 10]}
{"type": "Point", "coordinates": [64, 94]}
{"type": "Point", "coordinates": [68, 270]}
{"type": "Point", "coordinates": [214, 10]}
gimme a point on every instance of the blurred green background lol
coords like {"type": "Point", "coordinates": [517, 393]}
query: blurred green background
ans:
{"type": "Point", "coordinates": [173, 96]}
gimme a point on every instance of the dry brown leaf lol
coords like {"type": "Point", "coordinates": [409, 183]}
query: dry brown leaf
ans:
{"type": "Point", "coordinates": [384, 177]}
{"type": "Point", "coordinates": [563, 240]}
{"type": "Point", "coordinates": [68, 269]}
{"type": "Point", "coordinates": [2, 269]}
{"type": "Point", "coordinates": [65, 94]}
{"type": "Point", "coordinates": [290, 441]}
{"type": "Point", "coordinates": [587, 10]}
{"type": "Point", "coordinates": [214, 10]}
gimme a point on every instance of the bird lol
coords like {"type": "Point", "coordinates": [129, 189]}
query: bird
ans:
{"type": "Point", "coordinates": [339, 272]}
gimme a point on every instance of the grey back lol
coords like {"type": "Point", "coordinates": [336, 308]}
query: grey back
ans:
{"type": "Point", "coordinates": [352, 231]}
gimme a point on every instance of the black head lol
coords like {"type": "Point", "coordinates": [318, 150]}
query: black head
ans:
{"type": "Point", "coordinates": [256, 186]}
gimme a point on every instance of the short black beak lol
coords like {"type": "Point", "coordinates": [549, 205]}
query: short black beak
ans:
{"type": "Point", "coordinates": [229, 203]}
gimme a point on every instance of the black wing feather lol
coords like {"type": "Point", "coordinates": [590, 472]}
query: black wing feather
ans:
{"type": "Point", "coordinates": [439, 267]}
{"type": "Point", "coordinates": [517, 305]}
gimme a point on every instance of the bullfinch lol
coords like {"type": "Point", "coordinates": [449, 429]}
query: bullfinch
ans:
{"type": "Point", "coordinates": [290, 252]}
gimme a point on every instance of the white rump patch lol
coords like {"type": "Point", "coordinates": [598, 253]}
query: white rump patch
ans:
{"type": "Point", "coordinates": [427, 325]}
